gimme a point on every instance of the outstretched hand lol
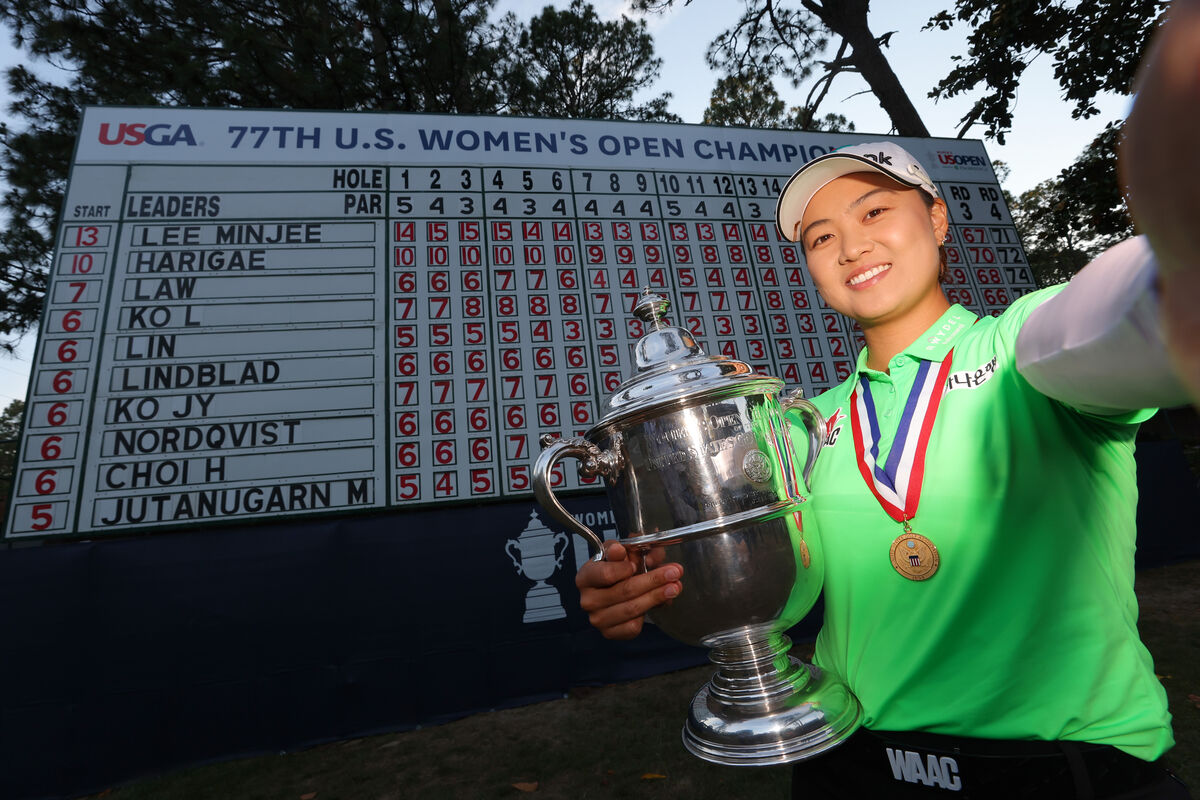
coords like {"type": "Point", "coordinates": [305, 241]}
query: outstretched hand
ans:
{"type": "Point", "coordinates": [1160, 168]}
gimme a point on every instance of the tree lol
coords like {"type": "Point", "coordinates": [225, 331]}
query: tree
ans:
{"type": "Point", "coordinates": [1095, 45]}
{"type": "Point", "coordinates": [1068, 220]}
{"type": "Point", "coordinates": [418, 55]}
{"type": "Point", "coordinates": [404, 55]}
{"type": "Point", "coordinates": [1044, 216]}
{"type": "Point", "coordinates": [572, 64]}
{"type": "Point", "coordinates": [749, 99]}
{"type": "Point", "coordinates": [790, 42]}
{"type": "Point", "coordinates": [10, 434]}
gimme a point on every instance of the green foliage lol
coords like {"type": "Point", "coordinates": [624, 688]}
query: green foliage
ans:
{"type": "Point", "coordinates": [791, 41]}
{"type": "Point", "coordinates": [10, 433]}
{"type": "Point", "coordinates": [439, 56]}
{"type": "Point", "coordinates": [1095, 46]}
{"type": "Point", "coordinates": [1070, 219]}
{"type": "Point", "coordinates": [10, 421]}
{"type": "Point", "coordinates": [771, 40]}
{"type": "Point", "coordinates": [749, 99]}
{"type": "Point", "coordinates": [572, 64]}
{"type": "Point", "coordinates": [1093, 182]}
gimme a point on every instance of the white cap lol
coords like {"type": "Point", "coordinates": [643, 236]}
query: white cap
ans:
{"type": "Point", "coordinates": [890, 159]}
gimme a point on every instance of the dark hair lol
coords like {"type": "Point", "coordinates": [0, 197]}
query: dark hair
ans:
{"type": "Point", "coordinates": [942, 257]}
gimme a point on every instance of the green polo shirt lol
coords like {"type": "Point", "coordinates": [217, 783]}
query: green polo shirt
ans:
{"type": "Point", "coordinates": [1028, 628]}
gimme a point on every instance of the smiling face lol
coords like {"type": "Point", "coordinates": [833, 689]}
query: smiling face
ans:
{"type": "Point", "coordinates": [872, 248]}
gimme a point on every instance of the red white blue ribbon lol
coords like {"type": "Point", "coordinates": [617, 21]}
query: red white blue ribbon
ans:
{"type": "Point", "coordinates": [897, 482]}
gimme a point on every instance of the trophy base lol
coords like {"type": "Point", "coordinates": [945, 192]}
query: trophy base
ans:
{"type": "Point", "coordinates": [764, 707]}
{"type": "Point", "coordinates": [543, 603]}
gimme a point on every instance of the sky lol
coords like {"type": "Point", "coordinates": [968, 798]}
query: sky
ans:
{"type": "Point", "coordinates": [1044, 138]}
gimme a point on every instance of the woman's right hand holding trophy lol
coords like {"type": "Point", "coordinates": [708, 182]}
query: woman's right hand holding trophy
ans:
{"type": "Point", "coordinates": [616, 595]}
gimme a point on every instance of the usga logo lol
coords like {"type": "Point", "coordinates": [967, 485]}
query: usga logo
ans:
{"type": "Point", "coordinates": [139, 133]}
{"type": "Point", "coordinates": [954, 159]}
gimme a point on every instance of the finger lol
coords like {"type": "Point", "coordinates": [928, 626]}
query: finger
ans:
{"type": "Point", "coordinates": [630, 586]}
{"type": "Point", "coordinates": [626, 630]}
{"type": "Point", "coordinates": [602, 574]}
{"type": "Point", "coordinates": [616, 566]}
{"type": "Point", "coordinates": [625, 619]}
{"type": "Point", "coordinates": [615, 551]}
{"type": "Point", "coordinates": [632, 597]}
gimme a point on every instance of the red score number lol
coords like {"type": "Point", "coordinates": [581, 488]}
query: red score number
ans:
{"type": "Point", "coordinates": [86, 236]}
{"type": "Point", "coordinates": [483, 480]}
{"type": "Point", "coordinates": [51, 448]}
{"type": "Point", "coordinates": [445, 452]}
{"type": "Point", "coordinates": [82, 263]}
{"type": "Point", "coordinates": [45, 483]}
{"type": "Point", "coordinates": [408, 455]}
{"type": "Point", "coordinates": [445, 484]}
{"type": "Point", "coordinates": [408, 487]}
{"type": "Point", "coordinates": [67, 351]}
{"type": "Point", "coordinates": [62, 381]}
{"type": "Point", "coordinates": [72, 320]}
{"type": "Point", "coordinates": [56, 415]}
{"type": "Point", "coordinates": [42, 516]}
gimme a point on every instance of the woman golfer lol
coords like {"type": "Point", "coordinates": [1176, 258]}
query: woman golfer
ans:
{"type": "Point", "coordinates": [977, 507]}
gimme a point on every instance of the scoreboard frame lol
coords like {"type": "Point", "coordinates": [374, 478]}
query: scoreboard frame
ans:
{"type": "Point", "coordinates": [261, 314]}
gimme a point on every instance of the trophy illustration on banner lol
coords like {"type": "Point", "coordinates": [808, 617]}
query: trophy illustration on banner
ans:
{"type": "Point", "coordinates": [536, 555]}
{"type": "Point", "coordinates": [700, 470]}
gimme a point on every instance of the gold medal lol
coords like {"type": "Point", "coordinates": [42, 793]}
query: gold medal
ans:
{"type": "Point", "coordinates": [914, 556]}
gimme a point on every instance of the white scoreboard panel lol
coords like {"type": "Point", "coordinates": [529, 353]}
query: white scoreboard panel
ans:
{"type": "Point", "coordinates": [255, 314]}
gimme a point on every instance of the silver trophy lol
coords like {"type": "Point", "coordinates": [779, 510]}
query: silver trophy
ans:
{"type": "Point", "coordinates": [700, 470]}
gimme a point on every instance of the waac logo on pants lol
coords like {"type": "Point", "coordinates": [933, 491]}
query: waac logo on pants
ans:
{"type": "Point", "coordinates": [928, 769]}
{"type": "Point", "coordinates": [133, 133]}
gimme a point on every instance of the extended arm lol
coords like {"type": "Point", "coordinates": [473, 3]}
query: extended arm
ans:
{"type": "Point", "coordinates": [1126, 333]}
{"type": "Point", "coordinates": [1098, 345]}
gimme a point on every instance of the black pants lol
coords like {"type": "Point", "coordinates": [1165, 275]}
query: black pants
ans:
{"type": "Point", "coordinates": [915, 765]}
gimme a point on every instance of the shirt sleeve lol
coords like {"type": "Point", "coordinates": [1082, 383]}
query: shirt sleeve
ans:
{"type": "Point", "coordinates": [1097, 345]}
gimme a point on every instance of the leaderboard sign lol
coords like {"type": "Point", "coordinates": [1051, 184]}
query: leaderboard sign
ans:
{"type": "Point", "coordinates": [255, 314]}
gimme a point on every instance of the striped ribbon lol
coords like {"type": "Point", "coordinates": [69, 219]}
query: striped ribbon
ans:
{"type": "Point", "coordinates": [897, 483]}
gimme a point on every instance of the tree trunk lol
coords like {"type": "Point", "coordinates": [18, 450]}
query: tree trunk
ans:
{"type": "Point", "coordinates": [848, 19]}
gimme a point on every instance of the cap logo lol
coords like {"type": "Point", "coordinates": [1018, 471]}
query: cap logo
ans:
{"type": "Point", "coordinates": [881, 158]}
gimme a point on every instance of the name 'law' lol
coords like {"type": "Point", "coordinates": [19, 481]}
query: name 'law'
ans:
{"type": "Point", "coordinates": [160, 316]}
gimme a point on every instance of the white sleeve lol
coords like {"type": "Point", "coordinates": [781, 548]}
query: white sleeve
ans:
{"type": "Point", "coordinates": [1097, 345]}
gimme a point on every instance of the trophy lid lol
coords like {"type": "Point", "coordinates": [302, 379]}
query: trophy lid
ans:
{"type": "Point", "coordinates": [671, 369]}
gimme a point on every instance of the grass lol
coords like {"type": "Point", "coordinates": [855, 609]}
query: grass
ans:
{"type": "Point", "coordinates": [618, 741]}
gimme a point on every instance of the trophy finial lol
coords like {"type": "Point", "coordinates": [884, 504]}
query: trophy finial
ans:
{"type": "Point", "coordinates": [651, 309]}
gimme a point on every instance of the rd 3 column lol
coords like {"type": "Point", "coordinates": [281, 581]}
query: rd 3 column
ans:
{"type": "Point", "coordinates": [243, 361]}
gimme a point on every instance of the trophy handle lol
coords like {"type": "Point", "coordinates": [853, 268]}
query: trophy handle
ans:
{"type": "Point", "coordinates": [560, 537]}
{"type": "Point", "coordinates": [812, 420]}
{"type": "Point", "coordinates": [508, 548]}
{"type": "Point", "coordinates": [593, 461]}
